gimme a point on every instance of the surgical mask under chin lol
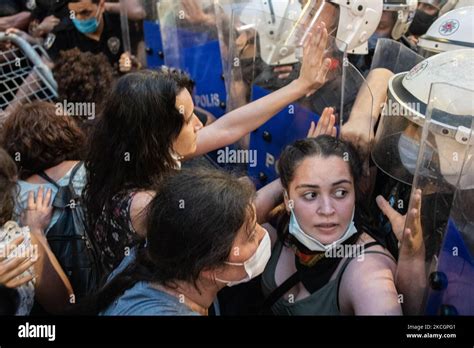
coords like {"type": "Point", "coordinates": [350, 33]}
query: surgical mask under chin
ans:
{"type": "Point", "coordinates": [87, 26]}
{"type": "Point", "coordinates": [255, 265]}
{"type": "Point", "coordinates": [372, 43]}
{"type": "Point", "coordinates": [314, 244]}
{"type": "Point", "coordinates": [408, 150]}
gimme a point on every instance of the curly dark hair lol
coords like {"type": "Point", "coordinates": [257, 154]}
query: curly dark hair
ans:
{"type": "Point", "coordinates": [178, 75]}
{"type": "Point", "coordinates": [83, 77]}
{"type": "Point", "coordinates": [40, 138]}
{"type": "Point", "coordinates": [8, 187]}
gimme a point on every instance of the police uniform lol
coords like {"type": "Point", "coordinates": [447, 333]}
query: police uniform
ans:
{"type": "Point", "coordinates": [110, 42]}
{"type": "Point", "coordinates": [13, 7]}
{"type": "Point", "coordinates": [45, 8]}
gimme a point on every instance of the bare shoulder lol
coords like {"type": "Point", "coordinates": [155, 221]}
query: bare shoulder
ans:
{"type": "Point", "coordinates": [141, 200]}
{"type": "Point", "coordinates": [367, 285]}
{"type": "Point", "coordinates": [370, 260]}
{"type": "Point", "coordinates": [138, 208]}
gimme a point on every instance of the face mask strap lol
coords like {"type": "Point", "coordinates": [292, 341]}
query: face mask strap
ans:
{"type": "Point", "coordinates": [235, 263]}
{"type": "Point", "coordinates": [96, 14]}
{"type": "Point", "coordinates": [291, 203]}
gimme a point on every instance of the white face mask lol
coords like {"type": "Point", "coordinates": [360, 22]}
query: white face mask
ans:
{"type": "Point", "coordinates": [255, 265]}
{"type": "Point", "coordinates": [408, 149]}
{"type": "Point", "coordinates": [314, 244]}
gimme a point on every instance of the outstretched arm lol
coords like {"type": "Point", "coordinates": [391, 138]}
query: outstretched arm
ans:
{"type": "Point", "coordinates": [411, 272]}
{"type": "Point", "coordinates": [236, 124]}
{"type": "Point", "coordinates": [359, 129]}
{"type": "Point", "coordinates": [368, 287]}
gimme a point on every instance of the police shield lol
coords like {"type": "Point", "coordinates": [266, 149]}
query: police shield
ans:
{"type": "Point", "coordinates": [263, 39]}
{"type": "Point", "coordinates": [264, 57]}
{"type": "Point", "coordinates": [394, 56]}
{"type": "Point", "coordinates": [190, 42]}
{"type": "Point", "coordinates": [435, 273]}
{"type": "Point", "coordinates": [152, 34]}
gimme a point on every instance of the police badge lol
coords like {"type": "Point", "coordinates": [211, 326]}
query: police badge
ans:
{"type": "Point", "coordinates": [114, 44]}
{"type": "Point", "coordinates": [49, 41]}
{"type": "Point", "coordinates": [31, 5]}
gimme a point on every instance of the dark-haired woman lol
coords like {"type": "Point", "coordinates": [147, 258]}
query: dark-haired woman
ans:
{"type": "Point", "coordinates": [147, 126]}
{"type": "Point", "coordinates": [203, 236]}
{"type": "Point", "coordinates": [323, 261]}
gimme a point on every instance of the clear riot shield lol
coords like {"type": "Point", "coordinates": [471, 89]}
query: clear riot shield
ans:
{"type": "Point", "coordinates": [399, 123]}
{"type": "Point", "coordinates": [127, 46]}
{"type": "Point", "coordinates": [234, 17]}
{"type": "Point", "coordinates": [258, 66]}
{"type": "Point", "coordinates": [152, 34]}
{"type": "Point", "coordinates": [256, 34]}
{"type": "Point", "coordinates": [190, 42]}
{"type": "Point", "coordinates": [389, 151]}
{"type": "Point", "coordinates": [394, 56]}
{"type": "Point", "coordinates": [435, 273]}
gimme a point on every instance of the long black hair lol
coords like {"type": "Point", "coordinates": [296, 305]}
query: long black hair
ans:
{"type": "Point", "coordinates": [192, 224]}
{"type": "Point", "coordinates": [130, 147]}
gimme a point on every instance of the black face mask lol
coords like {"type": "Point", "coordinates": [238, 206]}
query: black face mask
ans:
{"type": "Point", "coordinates": [421, 23]}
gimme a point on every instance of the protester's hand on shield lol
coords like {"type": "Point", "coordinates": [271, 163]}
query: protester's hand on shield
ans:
{"type": "Point", "coordinates": [325, 125]}
{"type": "Point", "coordinates": [412, 235]}
{"type": "Point", "coordinates": [315, 67]}
{"type": "Point", "coordinates": [412, 242]}
{"type": "Point", "coordinates": [194, 14]}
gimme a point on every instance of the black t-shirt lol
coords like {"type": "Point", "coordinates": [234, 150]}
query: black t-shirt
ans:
{"type": "Point", "coordinates": [45, 8]}
{"type": "Point", "coordinates": [12, 7]}
{"type": "Point", "coordinates": [110, 42]}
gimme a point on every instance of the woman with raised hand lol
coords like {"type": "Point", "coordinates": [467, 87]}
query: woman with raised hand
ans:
{"type": "Point", "coordinates": [148, 125]}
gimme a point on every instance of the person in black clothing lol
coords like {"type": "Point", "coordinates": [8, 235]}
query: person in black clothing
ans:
{"type": "Point", "coordinates": [55, 14]}
{"type": "Point", "coordinates": [91, 30]}
{"type": "Point", "coordinates": [15, 14]}
{"type": "Point", "coordinates": [47, 16]}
